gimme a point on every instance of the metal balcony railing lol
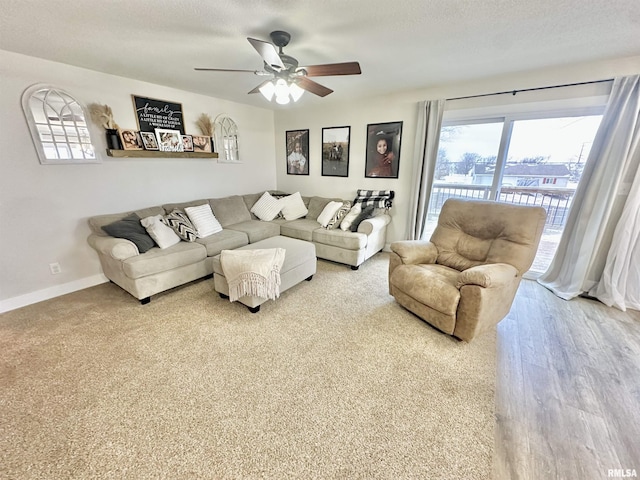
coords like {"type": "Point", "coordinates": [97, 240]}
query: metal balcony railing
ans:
{"type": "Point", "coordinates": [556, 201]}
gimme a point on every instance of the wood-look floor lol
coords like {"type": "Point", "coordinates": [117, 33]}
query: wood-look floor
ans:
{"type": "Point", "coordinates": [568, 388]}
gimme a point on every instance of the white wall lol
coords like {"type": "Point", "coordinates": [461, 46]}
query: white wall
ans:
{"type": "Point", "coordinates": [43, 208]}
{"type": "Point", "coordinates": [403, 107]}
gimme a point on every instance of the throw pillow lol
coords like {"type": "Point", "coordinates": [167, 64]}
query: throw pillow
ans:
{"type": "Point", "coordinates": [339, 215]}
{"type": "Point", "coordinates": [131, 229]}
{"type": "Point", "coordinates": [203, 219]}
{"type": "Point", "coordinates": [161, 233]}
{"type": "Point", "coordinates": [328, 212]}
{"type": "Point", "coordinates": [367, 212]}
{"type": "Point", "coordinates": [293, 207]}
{"type": "Point", "coordinates": [266, 208]}
{"type": "Point", "coordinates": [180, 223]}
{"type": "Point", "coordinates": [350, 217]}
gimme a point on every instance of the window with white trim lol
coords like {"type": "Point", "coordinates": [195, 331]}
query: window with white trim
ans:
{"type": "Point", "coordinates": [58, 126]}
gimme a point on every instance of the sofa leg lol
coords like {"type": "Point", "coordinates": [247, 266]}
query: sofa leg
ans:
{"type": "Point", "coordinates": [144, 301]}
{"type": "Point", "coordinates": [222, 295]}
{"type": "Point", "coordinates": [308, 279]}
{"type": "Point", "coordinates": [355, 267]}
{"type": "Point", "coordinates": [254, 309]}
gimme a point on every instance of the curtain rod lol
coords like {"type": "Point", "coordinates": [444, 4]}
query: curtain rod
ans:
{"type": "Point", "coordinates": [513, 92]}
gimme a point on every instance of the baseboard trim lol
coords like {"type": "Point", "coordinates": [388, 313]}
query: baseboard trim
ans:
{"type": "Point", "coordinates": [51, 292]}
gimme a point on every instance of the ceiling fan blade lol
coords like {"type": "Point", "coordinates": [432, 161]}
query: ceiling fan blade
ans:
{"type": "Point", "coordinates": [268, 53]}
{"type": "Point", "coordinates": [223, 70]}
{"type": "Point", "coordinates": [257, 89]}
{"type": "Point", "coordinates": [313, 87]}
{"type": "Point", "coordinates": [328, 69]}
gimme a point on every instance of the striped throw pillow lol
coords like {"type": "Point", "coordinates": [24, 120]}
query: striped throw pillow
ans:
{"type": "Point", "coordinates": [339, 215]}
{"type": "Point", "coordinates": [180, 223]}
{"type": "Point", "coordinates": [203, 219]}
{"type": "Point", "coordinates": [267, 207]}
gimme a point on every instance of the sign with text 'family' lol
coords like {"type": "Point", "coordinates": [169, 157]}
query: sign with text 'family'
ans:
{"type": "Point", "coordinates": [152, 113]}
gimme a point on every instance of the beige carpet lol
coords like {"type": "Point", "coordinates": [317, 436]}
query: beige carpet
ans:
{"type": "Point", "coordinates": [332, 380]}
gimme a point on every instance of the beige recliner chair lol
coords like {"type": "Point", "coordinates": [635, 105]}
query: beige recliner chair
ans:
{"type": "Point", "coordinates": [464, 280]}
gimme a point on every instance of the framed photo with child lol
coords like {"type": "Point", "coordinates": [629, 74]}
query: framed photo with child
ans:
{"type": "Point", "coordinates": [383, 150]}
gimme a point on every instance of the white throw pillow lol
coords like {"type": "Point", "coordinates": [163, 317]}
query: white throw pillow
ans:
{"type": "Point", "coordinates": [161, 233]}
{"type": "Point", "coordinates": [266, 208]}
{"type": "Point", "coordinates": [328, 212]}
{"type": "Point", "coordinates": [203, 219]}
{"type": "Point", "coordinates": [293, 206]}
{"type": "Point", "coordinates": [350, 217]}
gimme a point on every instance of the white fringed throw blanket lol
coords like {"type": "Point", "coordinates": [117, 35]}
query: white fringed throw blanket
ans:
{"type": "Point", "coordinates": [253, 272]}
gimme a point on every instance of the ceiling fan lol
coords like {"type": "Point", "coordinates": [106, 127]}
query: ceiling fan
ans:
{"type": "Point", "coordinates": [288, 79]}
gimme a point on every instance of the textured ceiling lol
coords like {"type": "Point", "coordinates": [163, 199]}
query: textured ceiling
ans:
{"type": "Point", "coordinates": [401, 45]}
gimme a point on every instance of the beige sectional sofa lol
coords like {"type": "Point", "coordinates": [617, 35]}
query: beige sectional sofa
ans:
{"type": "Point", "coordinates": [157, 270]}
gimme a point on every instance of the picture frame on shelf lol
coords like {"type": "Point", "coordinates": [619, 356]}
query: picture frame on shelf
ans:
{"type": "Point", "coordinates": [169, 140]}
{"type": "Point", "coordinates": [297, 150]}
{"type": "Point", "coordinates": [201, 143]}
{"type": "Point", "coordinates": [149, 141]}
{"type": "Point", "coordinates": [383, 150]}
{"type": "Point", "coordinates": [335, 151]}
{"type": "Point", "coordinates": [130, 139]}
{"type": "Point", "coordinates": [187, 143]}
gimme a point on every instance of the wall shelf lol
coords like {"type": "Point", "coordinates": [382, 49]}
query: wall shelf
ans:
{"type": "Point", "coordinates": [157, 154]}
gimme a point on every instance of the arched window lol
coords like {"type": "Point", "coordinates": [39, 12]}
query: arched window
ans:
{"type": "Point", "coordinates": [226, 133]}
{"type": "Point", "coordinates": [58, 126]}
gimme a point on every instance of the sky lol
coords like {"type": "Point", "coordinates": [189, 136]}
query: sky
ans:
{"type": "Point", "coordinates": [561, 139]}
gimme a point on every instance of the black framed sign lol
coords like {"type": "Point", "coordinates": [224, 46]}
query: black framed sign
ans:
{"type": "Point", "coordinates": [335, 151]}
{"type": "Point", "coordinates": [383, 150]}
{"type": "Point", "coordinates": [152, 113]}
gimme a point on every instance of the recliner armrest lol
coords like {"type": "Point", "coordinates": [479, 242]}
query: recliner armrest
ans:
{"type": "Point", "coordinates": [414, 252]}
{"type": "Point", "coordinates": [488, 276]}
{"type": "Point", "coordinates": [118, 248]}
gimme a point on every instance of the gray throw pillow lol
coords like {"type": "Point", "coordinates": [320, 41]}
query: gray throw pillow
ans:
{"type": "Point", "coordinates": [131, 229]}
{"type": "Point", "coordinates": [367, 212]}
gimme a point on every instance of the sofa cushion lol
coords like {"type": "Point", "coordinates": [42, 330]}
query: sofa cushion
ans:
{"type": "Point", "coordinates": [431, 285]}
{"type": "Point", "coordinates": [230, 210]}
{"type": "Point", "coordinates": [267, 207]}
{"type": "Point", "coordinates": [301, 229]}
{"type": "Point", "coordinates": [339, 215]}
{"type": "Point", "coordinates": [367, 212]}
{"type": "Point", "coordinates": [257, 230]}
{"type": "Point", "coordinates": [204, 220]}
{"type": "Point", "coordinates": [131, 229]}
{"type": "Point", "coordinates": [159, 260]}
{"type": "Point", "coordinates": [161, 233]}
{"type": "Point", "coordinates": [348, 219]}
{"type": "Point", "coordinates": [316, 205]}
{"type": "Point", "coordinates": [293, 207]}
{"type": "Point", "coordinates": [339, 238]}
{"type": "Point", "coordinates": [328, 212]}
{"type": "Point", "coordinates": [170, 207]}
{"type": "Point", "coordinates": [224, 240]}
{"type": "Point", "coordinates": [180, 223]}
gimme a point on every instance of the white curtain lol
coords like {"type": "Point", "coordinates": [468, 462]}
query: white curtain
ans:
{"type": "Point", "coordinates": [597, 205]}
{"type": "Point", "coordinates": [620, 283]}
{"type": "Point", "coordinates": [427, 137]}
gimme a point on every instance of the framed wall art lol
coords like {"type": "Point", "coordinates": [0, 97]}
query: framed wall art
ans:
{"type": "Point", "coordinates": [130, 139]}
{"type": "Point", "coordinates": [383, 150]}
{"type": "Point", "coordinates": [297, 152]}
{"type": "Point", "coordinates": [169, 140]}
{"type": "Point", "coordinates": [149, 140]}
{"type": "Point", "coordinates": [335, 151]}
{"type": "Point", "coordinates": [201, 143]}
{"type": "Point", "coordinates": [187, 143]}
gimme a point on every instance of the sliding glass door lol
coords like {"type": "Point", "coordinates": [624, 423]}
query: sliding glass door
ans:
{"type": "Point", "coordinates": [532, 160]}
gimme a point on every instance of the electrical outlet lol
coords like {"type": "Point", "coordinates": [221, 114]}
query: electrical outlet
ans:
{"type": "Point", "coordinates": [55, 268]}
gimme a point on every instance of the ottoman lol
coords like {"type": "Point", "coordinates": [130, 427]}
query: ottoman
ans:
{"type": "Point", "coordinates": [299, 264]}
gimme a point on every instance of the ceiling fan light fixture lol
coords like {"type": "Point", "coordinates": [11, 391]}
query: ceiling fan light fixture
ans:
{"type": "Point", "coordinates": [295, 91]}
{"type": "Point", "coordinates": [282, 99]}
{"type": "Point", "coordinates": [268, 89]}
